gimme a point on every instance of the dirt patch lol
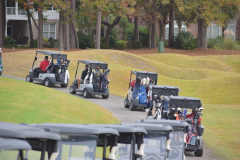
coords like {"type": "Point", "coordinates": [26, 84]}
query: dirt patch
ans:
{"type": "Point", "coordinates": [195, 52]}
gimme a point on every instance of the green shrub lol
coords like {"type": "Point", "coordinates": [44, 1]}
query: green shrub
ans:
{"type": "Point", "coordinates": [185, 40]}
{"type": "Point", "coordinates": [10, 42]}
{"type": "Point", "coordinates": [190, 44]}
{"type": "Point", "coordinates": [51, 41]}
{"type": "Point", "coordinates": [134, 45]}
{"type": "Point", "coordinates": [166, 43]}
{"type": "Point", "coordinates": [220, 43]}
{"type": "Point", "coordinates": [230, 44]}
{"type": "Point", "coordinates": [85, 41]}
{"type": "Point", "coordinates": [120, 45]}
{"type": "Point", "coordinates": [143, 36]}
{"type": "Point", "coordinates": [215, 43]}
{"type": "Point", "coordinates": [35, 43]}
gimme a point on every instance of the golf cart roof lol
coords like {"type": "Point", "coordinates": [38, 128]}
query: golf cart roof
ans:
{"type": "Point", "coordinates": [121, 128]}
{"type": "Point", "coordinates": [143, 74]}
{"type": "Point", "coordinates": [65, 128]}
{"type": "Point", "coordinates": [165, 90]}
{"type": "Point", "coordinates": [54, 55]}
{"type": "Point", "coordinates": [151, 127]}
{"type": "Point", "coordinates": [24, 131]}
{"type": "Point", "coordinates": [13, 144]}
{"type": "Point", "coordinates": [175, 124]}
{"type": "Point", "coordinates": [183, 102]}
{"type": "Point", "coordinates": [94, 64]}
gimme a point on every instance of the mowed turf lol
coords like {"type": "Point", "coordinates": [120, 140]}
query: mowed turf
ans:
{"type": "Point", "coordinates": [213, 79]}
{"type": "Point", "coordinates": [23, 102]}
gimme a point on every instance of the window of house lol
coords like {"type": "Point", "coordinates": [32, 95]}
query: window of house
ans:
{"type": "Point", "coordinates": [214, 30]}
{"type": "Point", "coordinates": [49, 30]}
{"type": "Point", "coordinates": [176, 29]}
{"type": "Point", "coordinates": [51, 8]}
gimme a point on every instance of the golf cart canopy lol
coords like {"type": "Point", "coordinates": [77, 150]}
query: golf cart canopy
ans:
{"type": "Point", "coordinates": [151, 127]}
{"type": "Point", "coordinates": [160, 90]}
{"type": "Point", "coordinates": [13, 144]}
{"type": "Point", "coordinates": [24, 131]}
{"type": "Point", "coordinates": [176, 125]}
{"type": "Point", "coordinates": [183, 102]}
{"type": "Point", "coordinates": [65, 128]}
{"type": "Point", "coordinates": [94, 64]}
{"type": "Point", "coordinates": [121, 128]}
{"type": "Point", "coordinates": [54, 55]}
{"type": "Point", "coordinates": [143, 74]}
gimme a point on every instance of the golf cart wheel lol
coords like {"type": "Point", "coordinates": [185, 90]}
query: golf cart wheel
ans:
{"type": "Point", "coordinates": [132, 106]}
{"type": "Point", "coordinates": [47, 83]}
{"type": "Point", "coordinates": [85, 93]}
{"type": "Point", "coordinates": [105, 96]}
{"type": "Point", "coordinates": [72, 90]}
{"type": "Point", "coordinates": [28, 79]}
{"type": "Point", "coordinates": [125, 103]}
{"type": "Point", "coordinates": [199, 152]}
{"type": "Point", "coordinates": [64, 85]}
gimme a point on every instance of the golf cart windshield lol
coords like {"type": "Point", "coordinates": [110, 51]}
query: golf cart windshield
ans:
{"type": "Point", "coordinates": [177, 145]}
{"type": "Point", "coordinates": [155, 145]}
{"type": "Point", "coordinates": [94, 64]}
{"type": "Point", "coordinates": [142, 74]}
{"type": "Point", "coordinates": [124, 151]}
{"type": "Point", "coordinates": [77, 147]}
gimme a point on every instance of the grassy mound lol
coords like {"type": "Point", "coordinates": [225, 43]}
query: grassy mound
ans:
{"type": "Point", "coordinates": [31, 103]}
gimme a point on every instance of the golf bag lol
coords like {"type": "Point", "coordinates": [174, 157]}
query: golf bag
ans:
{"type": "Point", "coordinates": [142, 95]}
{"type": "Point", "coordinates": [104, 80]}
{"type": "Point", "coordinates": [96, 80]}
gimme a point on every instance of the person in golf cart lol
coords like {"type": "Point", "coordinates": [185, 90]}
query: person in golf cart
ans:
{"type": "Point", "coordinates": [42, 67]}
{"type": "Point", "coordinates": [84, 74]}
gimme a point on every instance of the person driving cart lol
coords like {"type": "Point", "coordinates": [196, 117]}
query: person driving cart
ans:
{"type": "Point", "coordinates": [84, 74]}
{"type": "Point", "coordinates": [43, 66]}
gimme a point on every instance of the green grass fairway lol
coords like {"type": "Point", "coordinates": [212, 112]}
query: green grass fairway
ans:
{"type": "Point", "coordinates": [213, 79]}
{"type": "Point", "coordinates": [32, 103]}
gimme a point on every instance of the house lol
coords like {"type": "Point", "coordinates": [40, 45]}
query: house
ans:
{"type": "Point", "coordinates": [17, 23]}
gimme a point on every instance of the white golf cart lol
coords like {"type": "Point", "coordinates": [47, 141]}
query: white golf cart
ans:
{"type": "Point", "coordinates": [95, 82]}
{"type": "Point", "coordinates": [56, 73]}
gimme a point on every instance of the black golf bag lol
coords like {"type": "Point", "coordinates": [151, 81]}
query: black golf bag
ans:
{"type": "Point", "coordinates": [96, 80]}
{"type": "Point", "coordinates": [104, 81]}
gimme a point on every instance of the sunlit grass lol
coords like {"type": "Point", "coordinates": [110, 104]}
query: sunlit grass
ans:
{"type": "Point", "coordinates": [31, 103]}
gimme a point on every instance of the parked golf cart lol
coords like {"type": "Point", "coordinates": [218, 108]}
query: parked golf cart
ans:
{"type": "Point", "coordinates": [56, 73]}
{"type": "Point", "coordinates": [158, 91]}
{"type": "Point", "coordinates": [138, 87]}
{"type": "Point", "coordinates": [177, 109]}
{"type": "Point", "coordinates": [15, 146]}
{"type": "Point", "coordinates": [1, 62]}
{"type": "Point", "coordinates": [130, 141]}
{"type": "Point", "coordinates": [81, 141]}
{"type": "Point", "coordinates": [177, 136]}
{"type": "Point", "coordinates": [157, 140]}
{"type": "Point", "coordinates": [41, 140]}
{"type": "Point", "coordinates": [95, 83]}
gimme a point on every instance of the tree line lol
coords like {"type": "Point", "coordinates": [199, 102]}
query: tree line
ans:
{"type": "Point", "coordinates": [87, 16]}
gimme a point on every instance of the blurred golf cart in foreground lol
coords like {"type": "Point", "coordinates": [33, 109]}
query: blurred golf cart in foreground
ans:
{"type": "Point", "coordinates": [42, 142]}
{"type": "Point", "coordinates": [177, 136]}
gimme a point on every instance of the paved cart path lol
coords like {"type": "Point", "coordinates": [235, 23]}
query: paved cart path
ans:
{"type": "Point", "coordinates": [115, 105]}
